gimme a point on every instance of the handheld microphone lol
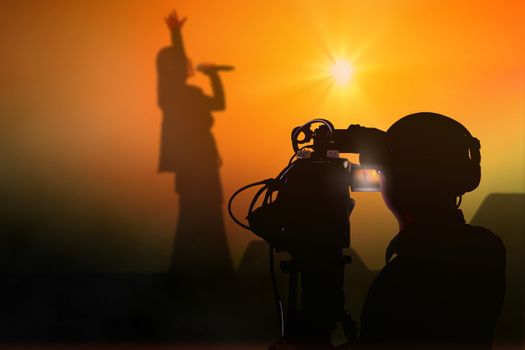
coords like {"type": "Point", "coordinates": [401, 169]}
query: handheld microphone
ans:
{"type": "Point", "coordinates": [206, 67]}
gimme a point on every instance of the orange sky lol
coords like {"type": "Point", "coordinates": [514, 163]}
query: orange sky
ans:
{"type": "Point", "coordinates": [78, 98]}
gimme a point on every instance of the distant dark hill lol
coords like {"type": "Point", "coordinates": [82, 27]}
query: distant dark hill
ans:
{"type": "Point", "coordinates": [504, 214]}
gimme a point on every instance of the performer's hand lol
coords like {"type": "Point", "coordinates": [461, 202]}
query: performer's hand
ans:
{"type": "Point", "coordinates": [174, 22]}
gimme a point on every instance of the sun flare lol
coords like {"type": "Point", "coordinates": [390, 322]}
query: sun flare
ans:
{"type": "Point", "coordinates": [341, 71]}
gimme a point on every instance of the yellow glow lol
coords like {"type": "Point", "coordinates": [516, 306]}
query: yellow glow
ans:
{"type": "Point", "coordinates": [341, 71]}
{"type": "Point", "coordinates": [460, 55]}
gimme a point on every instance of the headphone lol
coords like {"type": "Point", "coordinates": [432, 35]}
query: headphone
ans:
{"type": "Point", "coordinates": [472, 164]}
{"type": "Point", "coordinates": [466, 172]}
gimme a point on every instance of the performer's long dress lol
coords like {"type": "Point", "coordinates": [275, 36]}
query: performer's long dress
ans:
{"type": "Point", "coordinates": [189, 150]}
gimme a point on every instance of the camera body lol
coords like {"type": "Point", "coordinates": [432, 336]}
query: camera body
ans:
{"type": "Point", "coordinates": [305, 211]}
{"type": "Point", "coordinates": [313, 191]}
{"type": "Point", "coordinates": [312, 198]}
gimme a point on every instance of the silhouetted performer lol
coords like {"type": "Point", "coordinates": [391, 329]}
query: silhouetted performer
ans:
{"type": "Point", "coordinates": [444, 280]}
{"type": "Point", "coordinates": [188, 149]}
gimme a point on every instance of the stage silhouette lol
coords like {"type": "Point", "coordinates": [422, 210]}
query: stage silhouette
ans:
{"type": "Point", "coordinates": [188, 149]}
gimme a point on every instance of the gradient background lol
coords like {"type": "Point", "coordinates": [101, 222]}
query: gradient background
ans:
{"type": "Point", "coordinates": [80, 130]}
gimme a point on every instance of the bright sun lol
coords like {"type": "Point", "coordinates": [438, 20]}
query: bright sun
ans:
{"type": "Point", "coordinates": [341, 71]}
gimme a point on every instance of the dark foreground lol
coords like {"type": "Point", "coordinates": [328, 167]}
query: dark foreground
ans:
{"type": "Point", "coordinates": [168, 311]}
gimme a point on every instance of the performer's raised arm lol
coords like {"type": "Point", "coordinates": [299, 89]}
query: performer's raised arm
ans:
{"type": "Point", "coordinates": [175, 26]}
{"type": "Point", "coordinates": [172, 65]}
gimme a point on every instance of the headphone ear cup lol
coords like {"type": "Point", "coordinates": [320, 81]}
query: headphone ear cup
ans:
{"type": "Point", "coordinates": [473, 178]}
{"type": "Point", "coordinates": [473, 168]}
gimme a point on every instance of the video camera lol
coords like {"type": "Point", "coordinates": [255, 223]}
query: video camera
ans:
{"type": "Point", "coordinates": [305, 211]}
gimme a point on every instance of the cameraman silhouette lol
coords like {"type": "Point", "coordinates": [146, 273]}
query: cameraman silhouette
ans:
{"type": "Point", "coordinates": [444, 280]}
{"type": "Point", "coordinates": [188, 149]}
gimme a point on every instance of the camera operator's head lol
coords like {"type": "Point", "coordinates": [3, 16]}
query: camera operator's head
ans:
{"type": "Point", "coordinates": [431, 161]}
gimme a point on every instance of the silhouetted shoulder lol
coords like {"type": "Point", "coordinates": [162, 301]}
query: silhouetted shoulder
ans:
{"type": "Point", "coordinates": [486, 240]}
{"type": "Point", "coordinates": [484, 233]}
{"type": "Point", "coordinates": [445, 285]}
